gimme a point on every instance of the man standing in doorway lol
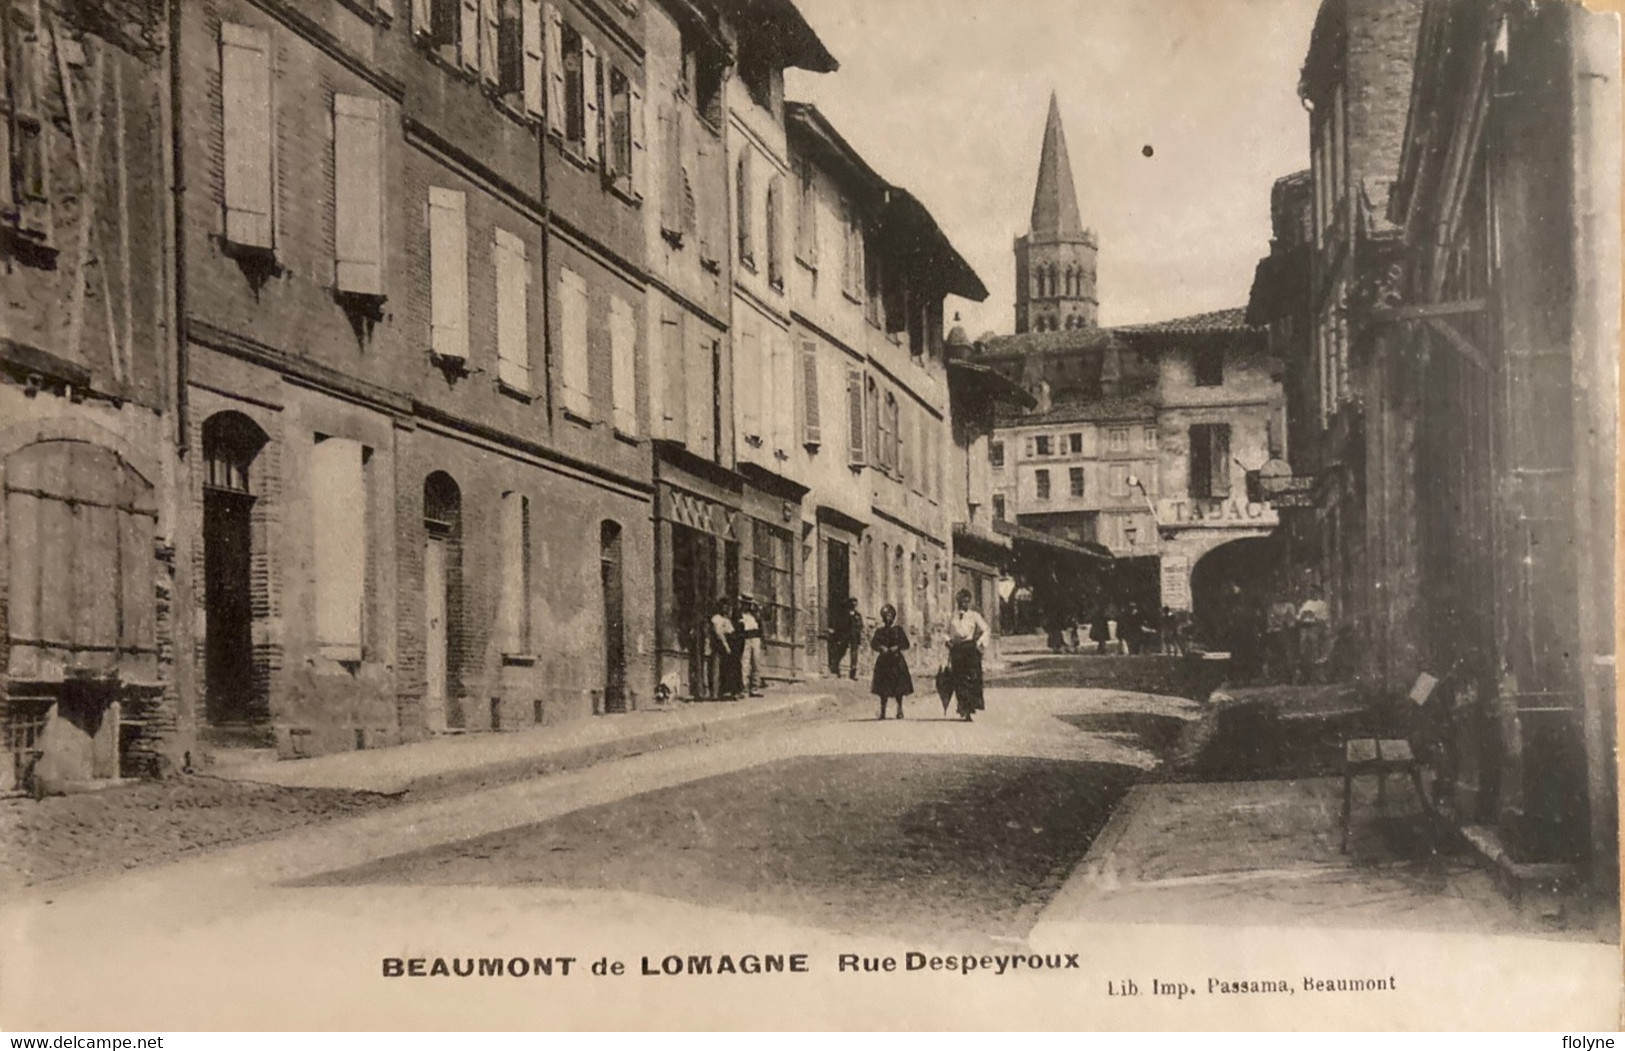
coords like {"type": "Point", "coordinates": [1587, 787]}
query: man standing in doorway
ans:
{"type": "Point", "coordinates": [750, 630]}
{"type": "Point", "coordinates": [845, 637]}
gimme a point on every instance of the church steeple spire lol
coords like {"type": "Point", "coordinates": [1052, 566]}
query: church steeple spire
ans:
{"type": "Point", "coordinates": [1055, 258]}
{"type": "Point", "coordinates": [1055, 200]}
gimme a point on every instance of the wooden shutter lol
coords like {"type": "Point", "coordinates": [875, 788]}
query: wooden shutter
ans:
{"type": "Point", "coordinates": [423, 17]}
{"type": "Point", "coordinates": [533, 63]}
{"type": "Point", "coordinates": [245, 102]}
{"type": "Point", "coordinates": [856, 444]}
{"type": "Point", "coordinates": [79, 554]}
{"type": "Point", "coordinates": [513, 314]}
{"type": "Point", "coordinates": [623, 343]}
{"type": "Point", "coordinates": [672, 396]}
{"type": "Point", "coordinates": [640, 159]}
{"type": "Point", "coordinates": [671, 172]}
{"type": "Point", "coordinates": [1220, 459]}
{"type": "Point", "coordinates": [339, 558]}
{"type": "Point", "coordinates": [704, 393]}
{"type": "Point", "coordinates": [711, 215]}
{"type": "Point", "coordinates": [358, 214]}
{"type": "Point", "coordinates": [512, 595]}
{"type": "Point", "coordinates": [575, 377]}
{"type": "Point", "coordinates": [773, 231]}
{"type": "Point", "coordinates": [811, 429]}
{"type": "Point", "coordinates": [553, 23]}
{"type": "Point", "coordinates": [873, 423]}
{"type": "Point", "coordinates": [469, 25]}
{"type": "Point", "coordinates": [448, 273]}
{"type": "Point", "coordinates": [592, 136]}
{"type": "Point", "coordinates": [742, 207]}
{"type": "Point", "coordinates": [490, 41]}
{"type": "Point", "coordinates": [748, 389]}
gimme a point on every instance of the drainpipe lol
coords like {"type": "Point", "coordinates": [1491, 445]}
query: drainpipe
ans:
{"type": "Point", "coordinates": [173, 116]}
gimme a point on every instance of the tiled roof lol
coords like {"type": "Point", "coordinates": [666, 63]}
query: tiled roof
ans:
{"type": "Point", "coordinates": [1045, 342]}
{"type": "Point", "coordinates": [1100, 409]}
{"type": "Point", "coordinates": [1233, 319]}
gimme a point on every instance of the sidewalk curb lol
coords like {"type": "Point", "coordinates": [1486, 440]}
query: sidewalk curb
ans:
{"type": "Point", "coordinates": [508, 770]}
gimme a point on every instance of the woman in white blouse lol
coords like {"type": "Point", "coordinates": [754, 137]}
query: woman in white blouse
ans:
{"type": "Point", "coordinates": [967, 639]}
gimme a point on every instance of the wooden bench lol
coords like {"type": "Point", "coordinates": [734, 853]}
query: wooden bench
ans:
{"type": "Point", "coordinates": [1379, 756]}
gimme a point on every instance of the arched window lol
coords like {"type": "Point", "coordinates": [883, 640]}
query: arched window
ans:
{"type": "Point", "coordinates": [442, 506]}
{"type": "Point", "coordinates": [231, 441]}
{"type": "Point", "coordinates": [1038, 283]}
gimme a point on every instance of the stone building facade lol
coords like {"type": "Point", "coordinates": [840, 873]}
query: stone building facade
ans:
{"type": "Point", "coordinates": [409, 380]}
{"type": "Point", "coordinates": [438, 369]}
{"type": "Point", "coordinates": [869, 407]}
{"type": "Point", "coordinates": [91, 549]}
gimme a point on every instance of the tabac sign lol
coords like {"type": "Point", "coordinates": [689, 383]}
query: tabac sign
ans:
{"type": "Point", "coordinates": [1230, 513]}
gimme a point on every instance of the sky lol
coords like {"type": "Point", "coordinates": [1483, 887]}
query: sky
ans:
{"type": "Point", "coordinates": [947, 98]}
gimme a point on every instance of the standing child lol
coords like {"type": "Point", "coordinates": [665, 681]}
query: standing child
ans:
{"type": "Point", "coordinates": [891, 677]}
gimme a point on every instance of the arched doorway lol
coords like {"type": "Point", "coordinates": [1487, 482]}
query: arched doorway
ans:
{"type": "Point", "coordinates": [442, 599]}
{"type": "Point", "coordinates": [1230, 587]}
{"type": "Point", "coordinates": [231, 444]}
{"type": "Point", "coordinates": [609, 572]}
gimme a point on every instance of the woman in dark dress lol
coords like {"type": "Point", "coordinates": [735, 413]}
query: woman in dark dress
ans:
{"type": "Point", "coordinates": [891, 677]}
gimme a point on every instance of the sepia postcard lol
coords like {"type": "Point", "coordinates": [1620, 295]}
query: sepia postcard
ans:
{"type": "Point", "coordinates": [809, 515]}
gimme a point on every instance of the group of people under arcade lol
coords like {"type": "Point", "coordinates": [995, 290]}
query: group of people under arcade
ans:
{"type": "Point", "coordinates": [958, 679]}
{"type": "Point", "coordinates": [733, 651]}
{"type": "Point", "coordinates": [1106, 626]}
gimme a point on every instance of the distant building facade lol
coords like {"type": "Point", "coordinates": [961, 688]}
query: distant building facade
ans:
{"type": "Point", "coordinates": [1148, 450]}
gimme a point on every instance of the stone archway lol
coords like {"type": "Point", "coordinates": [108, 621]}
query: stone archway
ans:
{"type": "Point", "coordinates": [1230, 586]}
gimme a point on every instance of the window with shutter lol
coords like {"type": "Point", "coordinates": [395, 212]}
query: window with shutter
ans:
{"type": "Point", "coordinates": [358, 217]}
{"type": "Point", "coordinates": [855, 442]}
{"type": "Point", "coordinates": [513, 313]}
{"type": "Point", "coordinates": [338, 564]}
{"type": "Point", "coordinates": [575, 387]}
{"type": "Point", "coordinates": [623, 337]}
{"type": "Point", "coordinates": [618, 137]}
{"type": "Point", "coordinates": [811, 426]}
{"type": "Point", "coordinates": [533, 60]}
{"type": "Point", "coordinates": [245, 102]}
{"type": "Point", "coordinates": [448, 273]}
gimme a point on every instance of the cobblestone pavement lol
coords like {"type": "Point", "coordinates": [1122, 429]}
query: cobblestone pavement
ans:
{"type": "Point", "coordinates": [129, 825]}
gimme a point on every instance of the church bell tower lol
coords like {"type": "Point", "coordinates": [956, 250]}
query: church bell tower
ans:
{"type": "Point", "coordinates": [1055, 259]}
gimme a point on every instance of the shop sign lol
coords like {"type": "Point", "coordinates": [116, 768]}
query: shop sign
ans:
{"type": "Point", "coordinates": [1214, 514]}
